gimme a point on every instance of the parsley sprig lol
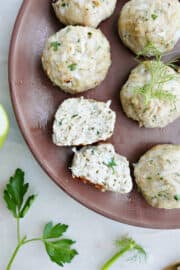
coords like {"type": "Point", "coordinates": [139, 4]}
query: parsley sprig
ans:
{"type": "Point", "coordinates": [125, 245]}
{"type": "Point", "coordinates": [59, 249]}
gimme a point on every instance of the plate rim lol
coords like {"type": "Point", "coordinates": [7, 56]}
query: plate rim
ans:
{"type": "Point", "coordinates": [86, 204]}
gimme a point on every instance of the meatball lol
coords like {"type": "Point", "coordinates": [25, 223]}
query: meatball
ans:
{"type": "Point", "coordinates": [84, 12]}
{"type": "Point", "coordinates": [151, 95]}
{"type": "Point", "coordinates": [157, 175]}
{"type": "Point", "coordinates": [148, 26]}
{"type": "Point", "coordinates": [80, 121]}
{"type": "Point", "coordinates": [102, 167]}
{"type": "Point", "coordinates": [77, 58]}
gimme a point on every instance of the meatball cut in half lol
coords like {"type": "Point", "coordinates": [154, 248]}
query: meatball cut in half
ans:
{"type": "Point", "coordinates": [80, 121]}
{"type": "Point", "coordinates": [77, 58]}
{"type": "Point", "coordinates": [151, 95]}
{"type": "Point", "coordinates": [157, 175]}
{"type": "Point", "coordinates": [101, 166]}
{"type": "Point", "coordinates": [84, 12]}
{"type": "Point", "coordinates": [149, 26]}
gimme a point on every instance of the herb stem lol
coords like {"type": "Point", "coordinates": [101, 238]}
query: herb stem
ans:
{"type": "Point", "coordinates": [20, 244]}
{"type": "Point", "coordinates": [18, 230]}
{"type": "Point", "coordinates": [33, 240]}
{"type": "Point", "coordinates": [111, 261]}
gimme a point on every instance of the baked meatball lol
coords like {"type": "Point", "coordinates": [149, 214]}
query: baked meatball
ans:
{"type": "Point", "coordinates": [151, 95]}
{"type": "Point", "coordinates": [157, 175]}
{"type": "Point", "coordinates": [77, 58]}
{"type": "Point", "coordinates": [102, 167]}
{"type": "Point", "coordinates": [84, 12]}
{"type": "Point", "coordinates": [148, 26]}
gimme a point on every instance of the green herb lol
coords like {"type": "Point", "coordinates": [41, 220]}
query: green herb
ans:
{"type": "Point", "coordinates": [14, 195]}
{"type": "Point", "coordinates": [149, 178]}
{"type": "Point", "coordinates": [125, 245]}
{"type": "Point", "coordinates": [149, 49]}
{"type": "Point", "coordinates": [177, 197]}
{"type": "Point", "coordinates": [154, 88]}
{"type": "Point", "coordinates": [55, 45]}
{"type": "Point", "coordinates": [89, 34]}
{"type": "Point", "coordinates": [174, 63]}
{"type": "Point", "coordinates": [111, 164]}
{"type": "Point", "coordinates": [64, 5]}
{"type": "Point", "coordinates": [72, 67]}
{"type": "Point", "coordinates": [154, 16]}
{"type": "Point", "coordinates": [74, 115]}
{"type": "Point", "coordinates": [59, 250]}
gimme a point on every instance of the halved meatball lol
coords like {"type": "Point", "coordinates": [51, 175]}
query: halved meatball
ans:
{"type": "Point", "coordinates": [80, 121]}
{"type": "Point", "coordinates": [102, 167]}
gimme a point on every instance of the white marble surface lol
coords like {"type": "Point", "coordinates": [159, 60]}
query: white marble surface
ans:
{"type": "Point", "coordinates": [95, 234]}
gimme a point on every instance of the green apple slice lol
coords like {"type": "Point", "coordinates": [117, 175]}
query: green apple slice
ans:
{"type": "Point", "coordinates": [4, 125]}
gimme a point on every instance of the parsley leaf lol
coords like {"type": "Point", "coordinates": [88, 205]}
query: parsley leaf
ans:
{"type": "Point", "coordinates": [14, 194]}
{"type": "Point", "coordinates": [111, 164]}
{"type": "Point", "coordinates": [177, 197]}
{"type": "Point", "coordinates": [27, 205]}
{"type": "Point", "coordinates": [89, 34]}
{"type": "Point", "coordinates": [72, 67]}
{"type": "Point", "coordinates": [60, 251]}
{"type": "Point", "coordinates": [51, 231]}
{"type": "Point", "coordinates": [154, 16]}
{"type": "Point", "coordinates": [55, 45]}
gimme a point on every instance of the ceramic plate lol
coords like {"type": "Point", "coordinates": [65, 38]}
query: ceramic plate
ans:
{"type": "Point", "coordinates": [35, 101]}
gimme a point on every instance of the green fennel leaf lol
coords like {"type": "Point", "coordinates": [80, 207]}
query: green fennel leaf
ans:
{"type": "Point", "coordinates": [149, 49]}
{"type": "Point", "coordinates": [154, 88]}
{"type": "Point", "coordinates": [15, 192]}
{"type": "Point", "coordinates": [55, 231]}
{"type": "Point", "coordinates": [125, 245]}
{"type": "Point", "coordinates": [60, 251]}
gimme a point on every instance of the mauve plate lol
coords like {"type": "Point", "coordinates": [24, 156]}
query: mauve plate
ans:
{"type": "Point", "coordinates": [35, 101]}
